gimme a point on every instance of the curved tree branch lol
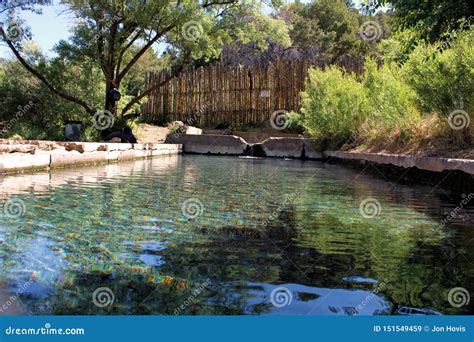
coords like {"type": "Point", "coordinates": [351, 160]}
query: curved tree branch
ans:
{"type": "Point", "coordinates": [42, 78]}
{"type": "Point", "coordinates": [122, 52]}
{"type": "Point", "coordinates": [142, 51]}
{"type": "Point", "coordinates": [150, 90]}
{"type": "Point", "coordinates": [222, 2]}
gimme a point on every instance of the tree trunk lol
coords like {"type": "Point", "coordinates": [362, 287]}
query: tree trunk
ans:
{"type": "Point", "coordinates": [110, 107]}
{"type": "Point", "coordinates": [110, 104]}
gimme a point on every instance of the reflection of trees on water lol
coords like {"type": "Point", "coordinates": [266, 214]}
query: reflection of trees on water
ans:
{"type": "Point", "coordinates": [316, 239]}
{"type": "Point", "coordinates": [413, 258]}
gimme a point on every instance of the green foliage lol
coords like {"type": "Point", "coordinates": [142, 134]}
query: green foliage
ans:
{"type": "Point", "coordinates": [334, 104]}
{"type": "Point", "coordinates": [398, 48]}
{"type": "Point", "coordinates": [252, 26]}
{"type": "Point", "coordinates": [392, 103]}
{"type": "Point", "coordinates": [443, 78]}
{"type": "Point", "coordinates": [387, 103]}
{"type": "Point", "coordinates": [430, 19]}
{"type": "Point", "coordinates": [112, 47]}
{"type": "Point", "coordinates": [134, 83]}
{"type": "Point", "coordinates": [330, 26]}
{"type": "Point", "coordinates": [295, 122]}
{"type": "Point", "coordinates": [29, 109]}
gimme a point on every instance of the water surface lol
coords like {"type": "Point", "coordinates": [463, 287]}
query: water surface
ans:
{"type": "Point", "coordinates": [217, 235]}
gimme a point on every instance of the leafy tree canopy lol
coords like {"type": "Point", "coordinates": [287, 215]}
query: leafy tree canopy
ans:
{"type": "Point", "coordinates": [431, 19]}
{"type": "Point", "coordinates": [114, 35]}
{"type": "Point", "coordinates": [328, 27]}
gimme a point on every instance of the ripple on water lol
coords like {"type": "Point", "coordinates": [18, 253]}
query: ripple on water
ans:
{"type": "Point", "coordinates": [264, 225]}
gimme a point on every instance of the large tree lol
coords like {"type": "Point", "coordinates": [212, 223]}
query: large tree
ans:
{"type": "Point", "coordinates": [429, 18]}
{"type": "Point", "coordinates": [321, 31]}
{"type": "Point", "coordinates": [116, 34]}
{"type": "Point", "coordinates": [327, 28]}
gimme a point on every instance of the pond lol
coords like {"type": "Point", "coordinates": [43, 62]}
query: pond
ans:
{"type": "Point", "coordinates": [201, 235]}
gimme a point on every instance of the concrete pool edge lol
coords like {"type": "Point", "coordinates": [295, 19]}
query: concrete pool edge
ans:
{"type": "Point", "coordinates": [32, 156]}
{"type": "Point", "coordinates": [433, 164]}
{"type": "Point", "coordinates": [37, 155]}
{"type": "Point", "coordinates": [451, 173]}
{"type": "Point", "coordinates": [304, 148]}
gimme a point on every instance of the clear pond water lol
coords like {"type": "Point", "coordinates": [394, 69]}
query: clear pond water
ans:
{"type": "Point", "coordinates": [227, 236]}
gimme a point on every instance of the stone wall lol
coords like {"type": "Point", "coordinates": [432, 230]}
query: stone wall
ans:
{"type": "Point", "coordinates": [16, 156]}
{"type": "Point", "coordinates": [211, 144]}
{"type": "Point", "coordinates": [434, 164]}
{"type": "Point", "coordinates": [448, 173]}
{"type": "Point", "coordinates": [255, 136]}
{"type": "Point", "coordinates": [276, 147]}
{"type": "Point", "coordinates": [38, 155]}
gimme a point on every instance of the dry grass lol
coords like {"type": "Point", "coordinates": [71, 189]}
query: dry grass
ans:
{"type": "Point", "coordinates": [431, 136]}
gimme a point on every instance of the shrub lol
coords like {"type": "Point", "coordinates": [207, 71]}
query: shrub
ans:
{"type": "Point", "coordinates": [45, 118]}
{"type": "Point", "coordinates": [392, 103]}
{"type": "Point", "coordinates": [334, 105]}
{"type": "Point", "coordinates": [295, 123]}
{"type": "Point", "coordinates": [443, 80]}
{"type": "Point", "coordinates": [397, 49]}
{"type": "Point", "coordinates": [387, 104]}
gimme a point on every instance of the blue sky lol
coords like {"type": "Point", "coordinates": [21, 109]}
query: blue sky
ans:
{"type": "Point", "coordinates": [48, 28]}
{"type": "Point", "coordinates": [52, 26]}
